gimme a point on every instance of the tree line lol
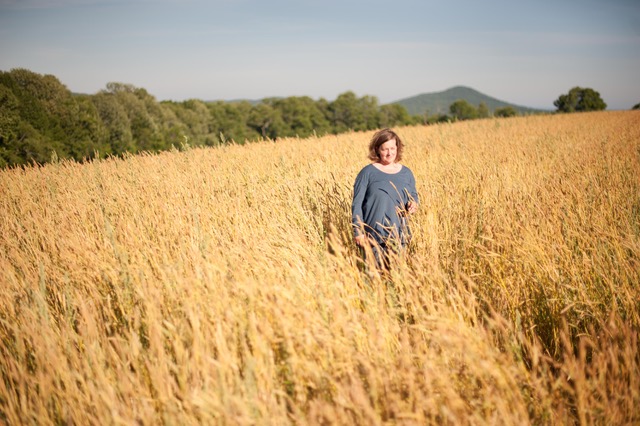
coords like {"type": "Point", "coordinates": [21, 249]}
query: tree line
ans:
{"type": "Point", "coordinates": [40, 119]}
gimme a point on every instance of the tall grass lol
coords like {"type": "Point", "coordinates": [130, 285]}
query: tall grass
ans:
{"type": "Point", "coordinates": [221, 286]}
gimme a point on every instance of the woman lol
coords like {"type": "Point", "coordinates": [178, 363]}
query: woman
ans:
{"type": "Point", "coordinates": [384, 195]}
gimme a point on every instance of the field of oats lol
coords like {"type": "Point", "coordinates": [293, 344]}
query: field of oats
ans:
{"type": "Point", "coordinates": [221, 285]}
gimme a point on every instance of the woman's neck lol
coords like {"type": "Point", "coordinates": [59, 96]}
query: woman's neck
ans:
{"type": "Point", "coordinates": [388, 168]}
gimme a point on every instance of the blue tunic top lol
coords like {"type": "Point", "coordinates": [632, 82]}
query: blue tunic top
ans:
{"type": "Point", "coordinates": [379, 204]}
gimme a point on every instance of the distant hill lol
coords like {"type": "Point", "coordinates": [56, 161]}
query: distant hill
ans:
{"type": "Point", "coordinates": [237, 101]}
{"type": "Point", "coordinates": [439, 102]}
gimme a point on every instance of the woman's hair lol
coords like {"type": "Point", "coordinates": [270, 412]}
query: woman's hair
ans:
{"type": "Point", "coordinates": [380, 137]}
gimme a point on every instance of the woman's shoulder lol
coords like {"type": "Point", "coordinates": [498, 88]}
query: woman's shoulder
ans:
{"type": "Point", "coordinates": [364, 173]}
{"type": "Point", "coordinates": [367, 169]}
{"type": "Point", "coordinates": [406, 173]}
{"type": "Point", "coordinates": [406, 169]}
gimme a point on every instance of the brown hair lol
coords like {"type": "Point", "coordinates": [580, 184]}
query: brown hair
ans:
{"type": "Point", "coordinates": [380, 137]}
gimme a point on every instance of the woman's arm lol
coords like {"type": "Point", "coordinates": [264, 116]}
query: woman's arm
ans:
{"type": "Point", "coordinates": [412, 205]}
{"type": "Point", "coordinates": [357, 212]}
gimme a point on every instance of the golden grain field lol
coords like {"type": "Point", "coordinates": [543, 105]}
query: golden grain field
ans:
{"type": "Point", "coordinates": [221, 285]}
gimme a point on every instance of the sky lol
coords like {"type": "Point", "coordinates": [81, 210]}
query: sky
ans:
{"type": "Point", "coordinates": [523, 52]}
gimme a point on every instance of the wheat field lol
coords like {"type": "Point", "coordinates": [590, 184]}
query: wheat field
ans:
{"type": "Point", "coordinates": [221, 285]}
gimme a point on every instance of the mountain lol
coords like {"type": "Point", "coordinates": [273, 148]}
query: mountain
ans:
{"type": "Point", "coordinates": [253, 102]}
{"type": "Point", "coordinates": [438, 102]}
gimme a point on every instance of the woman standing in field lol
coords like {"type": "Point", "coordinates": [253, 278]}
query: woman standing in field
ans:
{"type": "Point", "coordinates": [384, 195]}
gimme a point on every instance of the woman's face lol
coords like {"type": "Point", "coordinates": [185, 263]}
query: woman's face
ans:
{"type": "Point", "coordinates": [388, 152]}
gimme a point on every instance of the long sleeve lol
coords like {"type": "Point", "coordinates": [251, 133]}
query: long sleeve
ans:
{"type": "Point", "coordinates": [413, 192]}
{"type": "Point", "coordinates": [359, 193]}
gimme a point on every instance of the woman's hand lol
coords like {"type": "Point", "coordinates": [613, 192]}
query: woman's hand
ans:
{"type": "Point", "coordinates": [361, 241]}
{"type": "Point", "coordinates": [412, 207]}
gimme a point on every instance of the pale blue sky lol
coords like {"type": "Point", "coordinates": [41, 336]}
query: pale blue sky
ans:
{"type": "Point", "coordinates": [524, 52]}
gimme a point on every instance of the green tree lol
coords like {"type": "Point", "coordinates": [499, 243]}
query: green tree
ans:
{"type": "Point", "coordinates": [116, 126]}
{"type": "Point", "coordinates": [172, 129]}
{"type": "Point", "coordinates": [463, 110]}
{"type": "Point", "coordinates": [483, 110]}
{"type": "Point", "coordinates": [9, 122]}
{"type": "Point", "coordinates": [507, 111]}
{"type": "Point", "coordinates": [192, 121]}
{"type": "Point", "coordinates": [394, 115]}
{"type": "Point", "coordinates": [88, 131]}
{"type": "Point", "coordinates": [267, 121]}
{"type": "Point", "coordinates": [9, 115]}
{"type": "Point", "coordinates": [345, 114]}
{"type": "Point", "coordinates": [229, 122]}
{"type": "Point", "coordinates": [47, 116]}
{"type": "Point", "coordinates": [348, 112]}
{"type": "Point", "coordinates": [33, 146]}
{"type": "Point", "coordinates": [370, 113]}
{"type": "Point", "coordinates": [438, 118]}
{"type": "Point", "coordinates": [636, 106]}
{"type": "Point", "coordinates": [301, 116]}
{"type": "Point", "coordinates": [580, 99]}
{"type": "Point", "coordinates": [137, 103]}
{"type": "Point", "coordinates": [30, 90]}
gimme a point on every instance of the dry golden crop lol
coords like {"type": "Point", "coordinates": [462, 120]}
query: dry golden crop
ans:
{"type": "Point", "coordinates": [221, 285]}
